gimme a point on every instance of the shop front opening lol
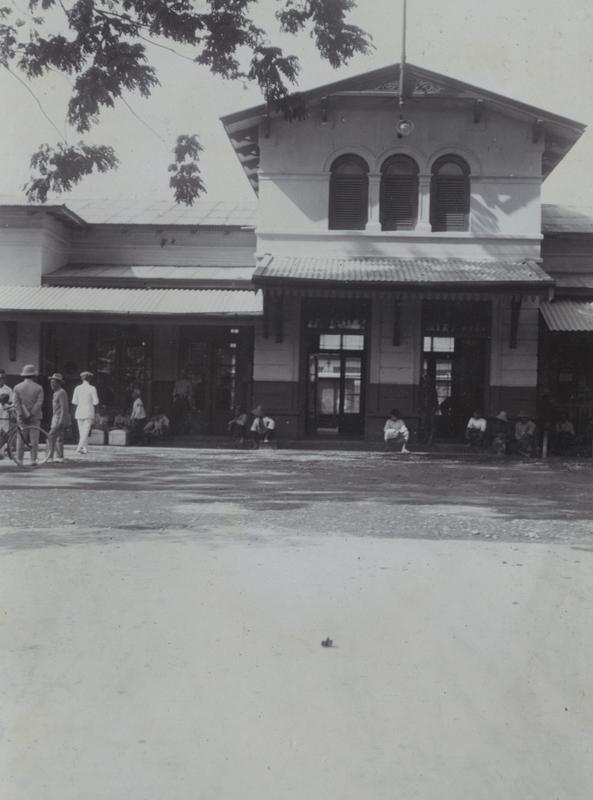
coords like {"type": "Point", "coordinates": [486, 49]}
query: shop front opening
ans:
{"type": "Point", "coordinates": [214, 377]}
{"type": "Point", "coordinates": [455, 360]}
{"type": "Point", "coordinates": [335, 348]}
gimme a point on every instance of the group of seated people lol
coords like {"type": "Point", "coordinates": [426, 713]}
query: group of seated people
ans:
{"type": "Point", "coordinates": [256, 426]}
{"type": "Point", "coordinates": [157, 427]}
{"type": "Point", "coordinates": [502, 436]}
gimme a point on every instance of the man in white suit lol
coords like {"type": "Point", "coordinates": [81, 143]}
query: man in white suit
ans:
{"type": "Point", "coordinates": [86, 400]}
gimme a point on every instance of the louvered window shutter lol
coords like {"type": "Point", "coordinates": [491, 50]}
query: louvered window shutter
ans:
{"type": "Point", "coordinates": [399, 202]}
{"type": "Point", "coordinates": [449, 195]}
{"type": "Point", "coordinates": [450, 206]}
{"type": "Point", "coordinates": [348, 202]}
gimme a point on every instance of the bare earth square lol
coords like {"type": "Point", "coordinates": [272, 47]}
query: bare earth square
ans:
{"type": "Point", "coordinates": [163, 612]}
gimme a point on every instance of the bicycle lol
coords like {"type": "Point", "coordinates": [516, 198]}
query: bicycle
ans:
{"type": "Point", "coordinates": [18, 432]}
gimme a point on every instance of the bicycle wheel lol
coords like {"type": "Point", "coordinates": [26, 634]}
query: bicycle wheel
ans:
{"type": "Point", "coordinates": [24, 435]}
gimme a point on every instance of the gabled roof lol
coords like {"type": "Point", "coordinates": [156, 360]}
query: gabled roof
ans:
{"type": "Point", "coordinates": [420, 85]}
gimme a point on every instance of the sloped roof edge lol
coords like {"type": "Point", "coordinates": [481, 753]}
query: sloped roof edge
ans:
{"type": "Point", "coordinates": [392, 72]}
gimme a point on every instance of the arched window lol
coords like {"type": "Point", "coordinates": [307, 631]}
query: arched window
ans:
{"type": "Point", "coordinates": [349, 194]}
{"type": "Point", "coordinates": [399, 194]}
{"type": "Point", "coordinates": [449, 194]}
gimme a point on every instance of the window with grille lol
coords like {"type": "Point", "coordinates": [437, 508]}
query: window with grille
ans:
{"type": "Point", "coordinates": [399, 194]}
{"type": "Point", "coordinates": [449, 195]}
{"type": "Point", "coordinates": [349, 194]}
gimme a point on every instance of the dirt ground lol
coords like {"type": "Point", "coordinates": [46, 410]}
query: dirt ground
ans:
{"type": "Point", "coordinates": [162, 612]}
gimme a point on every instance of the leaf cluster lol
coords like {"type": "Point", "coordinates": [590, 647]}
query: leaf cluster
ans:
{"type": "Point", "coordinates": [102, 47]}
{"type": "Point", "coordinates": [58, 169]}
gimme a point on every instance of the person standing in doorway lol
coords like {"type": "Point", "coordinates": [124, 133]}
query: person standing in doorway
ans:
{"type": "Point", "coordinates": [6, 399]}
{"type": "Point", "coordinates": [60, 420]}
{"type": "Point", "coordinates": [137, 418]}
{"type": "Point", "coordinates": [28, 401]}
{"type": "Point", "coordinates": [86, 400]}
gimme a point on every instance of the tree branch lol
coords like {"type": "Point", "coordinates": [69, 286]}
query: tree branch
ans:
{"type": "Point", "coordinates": [61, 134]}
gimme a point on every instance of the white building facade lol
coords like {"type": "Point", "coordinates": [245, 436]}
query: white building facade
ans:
{"type": "Point", "coordinates": [373, 270]}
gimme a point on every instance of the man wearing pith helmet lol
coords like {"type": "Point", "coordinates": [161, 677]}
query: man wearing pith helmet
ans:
{"type": "Point", "coordinates": [60, 420]}
{"type": "Point", "coordinates": [86, 400]}
{"type": "Point", "coordinates": [28, 401]}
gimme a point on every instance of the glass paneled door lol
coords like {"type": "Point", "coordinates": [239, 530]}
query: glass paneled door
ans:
{"type": "Point", "coordinates": [336, 378]}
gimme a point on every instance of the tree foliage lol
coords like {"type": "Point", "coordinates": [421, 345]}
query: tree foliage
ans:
{"type": "Point", "coordinates": [102, 49]}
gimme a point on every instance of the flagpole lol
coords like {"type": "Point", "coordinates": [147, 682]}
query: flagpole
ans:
{"type": "Point", "coordinates": [402, 64]}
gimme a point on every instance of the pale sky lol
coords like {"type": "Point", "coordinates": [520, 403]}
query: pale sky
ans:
{"type": "Point", "coordinates": [537, 51]}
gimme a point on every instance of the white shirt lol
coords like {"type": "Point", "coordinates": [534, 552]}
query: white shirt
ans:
{"type": "Point", "coordinates": [394, 428]}
{"type": "Point", "coordinates": [477, 424]}
{"type": "Point", "coordinates": [263, 424]}
{"type": "Point", "coordinates": [85, 399]}
{"type": "Point", "coordinates": [138, 411]}
{"type": "Point", "coordinates": [5, 394]}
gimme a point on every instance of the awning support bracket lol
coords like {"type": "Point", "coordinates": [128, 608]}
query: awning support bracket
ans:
{"type": "Point", "coordinates": [278, 319]}
{"type": "Point", "coordinates": [11, 332]}
{"type": "Point", "coordinates": [266, 316]}
{"type": "Point", "coordinates": [515, 314]}
{"type": "Point", "coordinates": [396, 340]}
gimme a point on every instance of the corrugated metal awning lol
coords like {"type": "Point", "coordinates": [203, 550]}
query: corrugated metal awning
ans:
{"type": "Point", "coordinates": [158, 302]}
{"type": "Point", "coordinates": [402, 272]}
{"type": "Point", "coordinates": [568, 315]}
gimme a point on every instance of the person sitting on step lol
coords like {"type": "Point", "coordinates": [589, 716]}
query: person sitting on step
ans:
{"type": "Point", "coordinates": [157, 426]}
{"type": "Point", "coordinates": [525, 436]}
{"type": "Point", "coordinates": [475, 431]}
{"type": "Point", "coordinates": [263, 426]}
{"type": "Point", "coordinates": [501, 433]}
{"type": "Point", "coordinates": [396, 433]}
{"type": "Point", "coordinates": [238, 427]}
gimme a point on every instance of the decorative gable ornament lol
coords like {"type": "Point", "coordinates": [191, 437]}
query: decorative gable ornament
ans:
{"type": "Point", "coordinates": [420, 88]}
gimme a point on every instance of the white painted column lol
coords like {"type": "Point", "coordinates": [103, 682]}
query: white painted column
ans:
{"type": "Point", "coordinates": [423, 224]}
{"type": "Point", "coordinates": [374, 220]}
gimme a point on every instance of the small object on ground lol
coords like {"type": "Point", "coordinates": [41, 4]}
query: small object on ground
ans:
{"type": "Point", "coordinates": [327, 642]}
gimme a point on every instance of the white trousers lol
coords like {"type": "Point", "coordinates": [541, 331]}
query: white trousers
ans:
{"type": "Point", "coordinates": [84, 429]}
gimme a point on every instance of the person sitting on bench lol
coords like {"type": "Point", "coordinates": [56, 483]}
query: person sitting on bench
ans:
{"type": "Point", "coordinates": [396, 433]}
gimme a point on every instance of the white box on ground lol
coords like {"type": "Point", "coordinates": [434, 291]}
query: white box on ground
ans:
{"type": "Point", "coordinates": [119, 438]}
{"type": "Point", "coordinates": [98, 436]}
